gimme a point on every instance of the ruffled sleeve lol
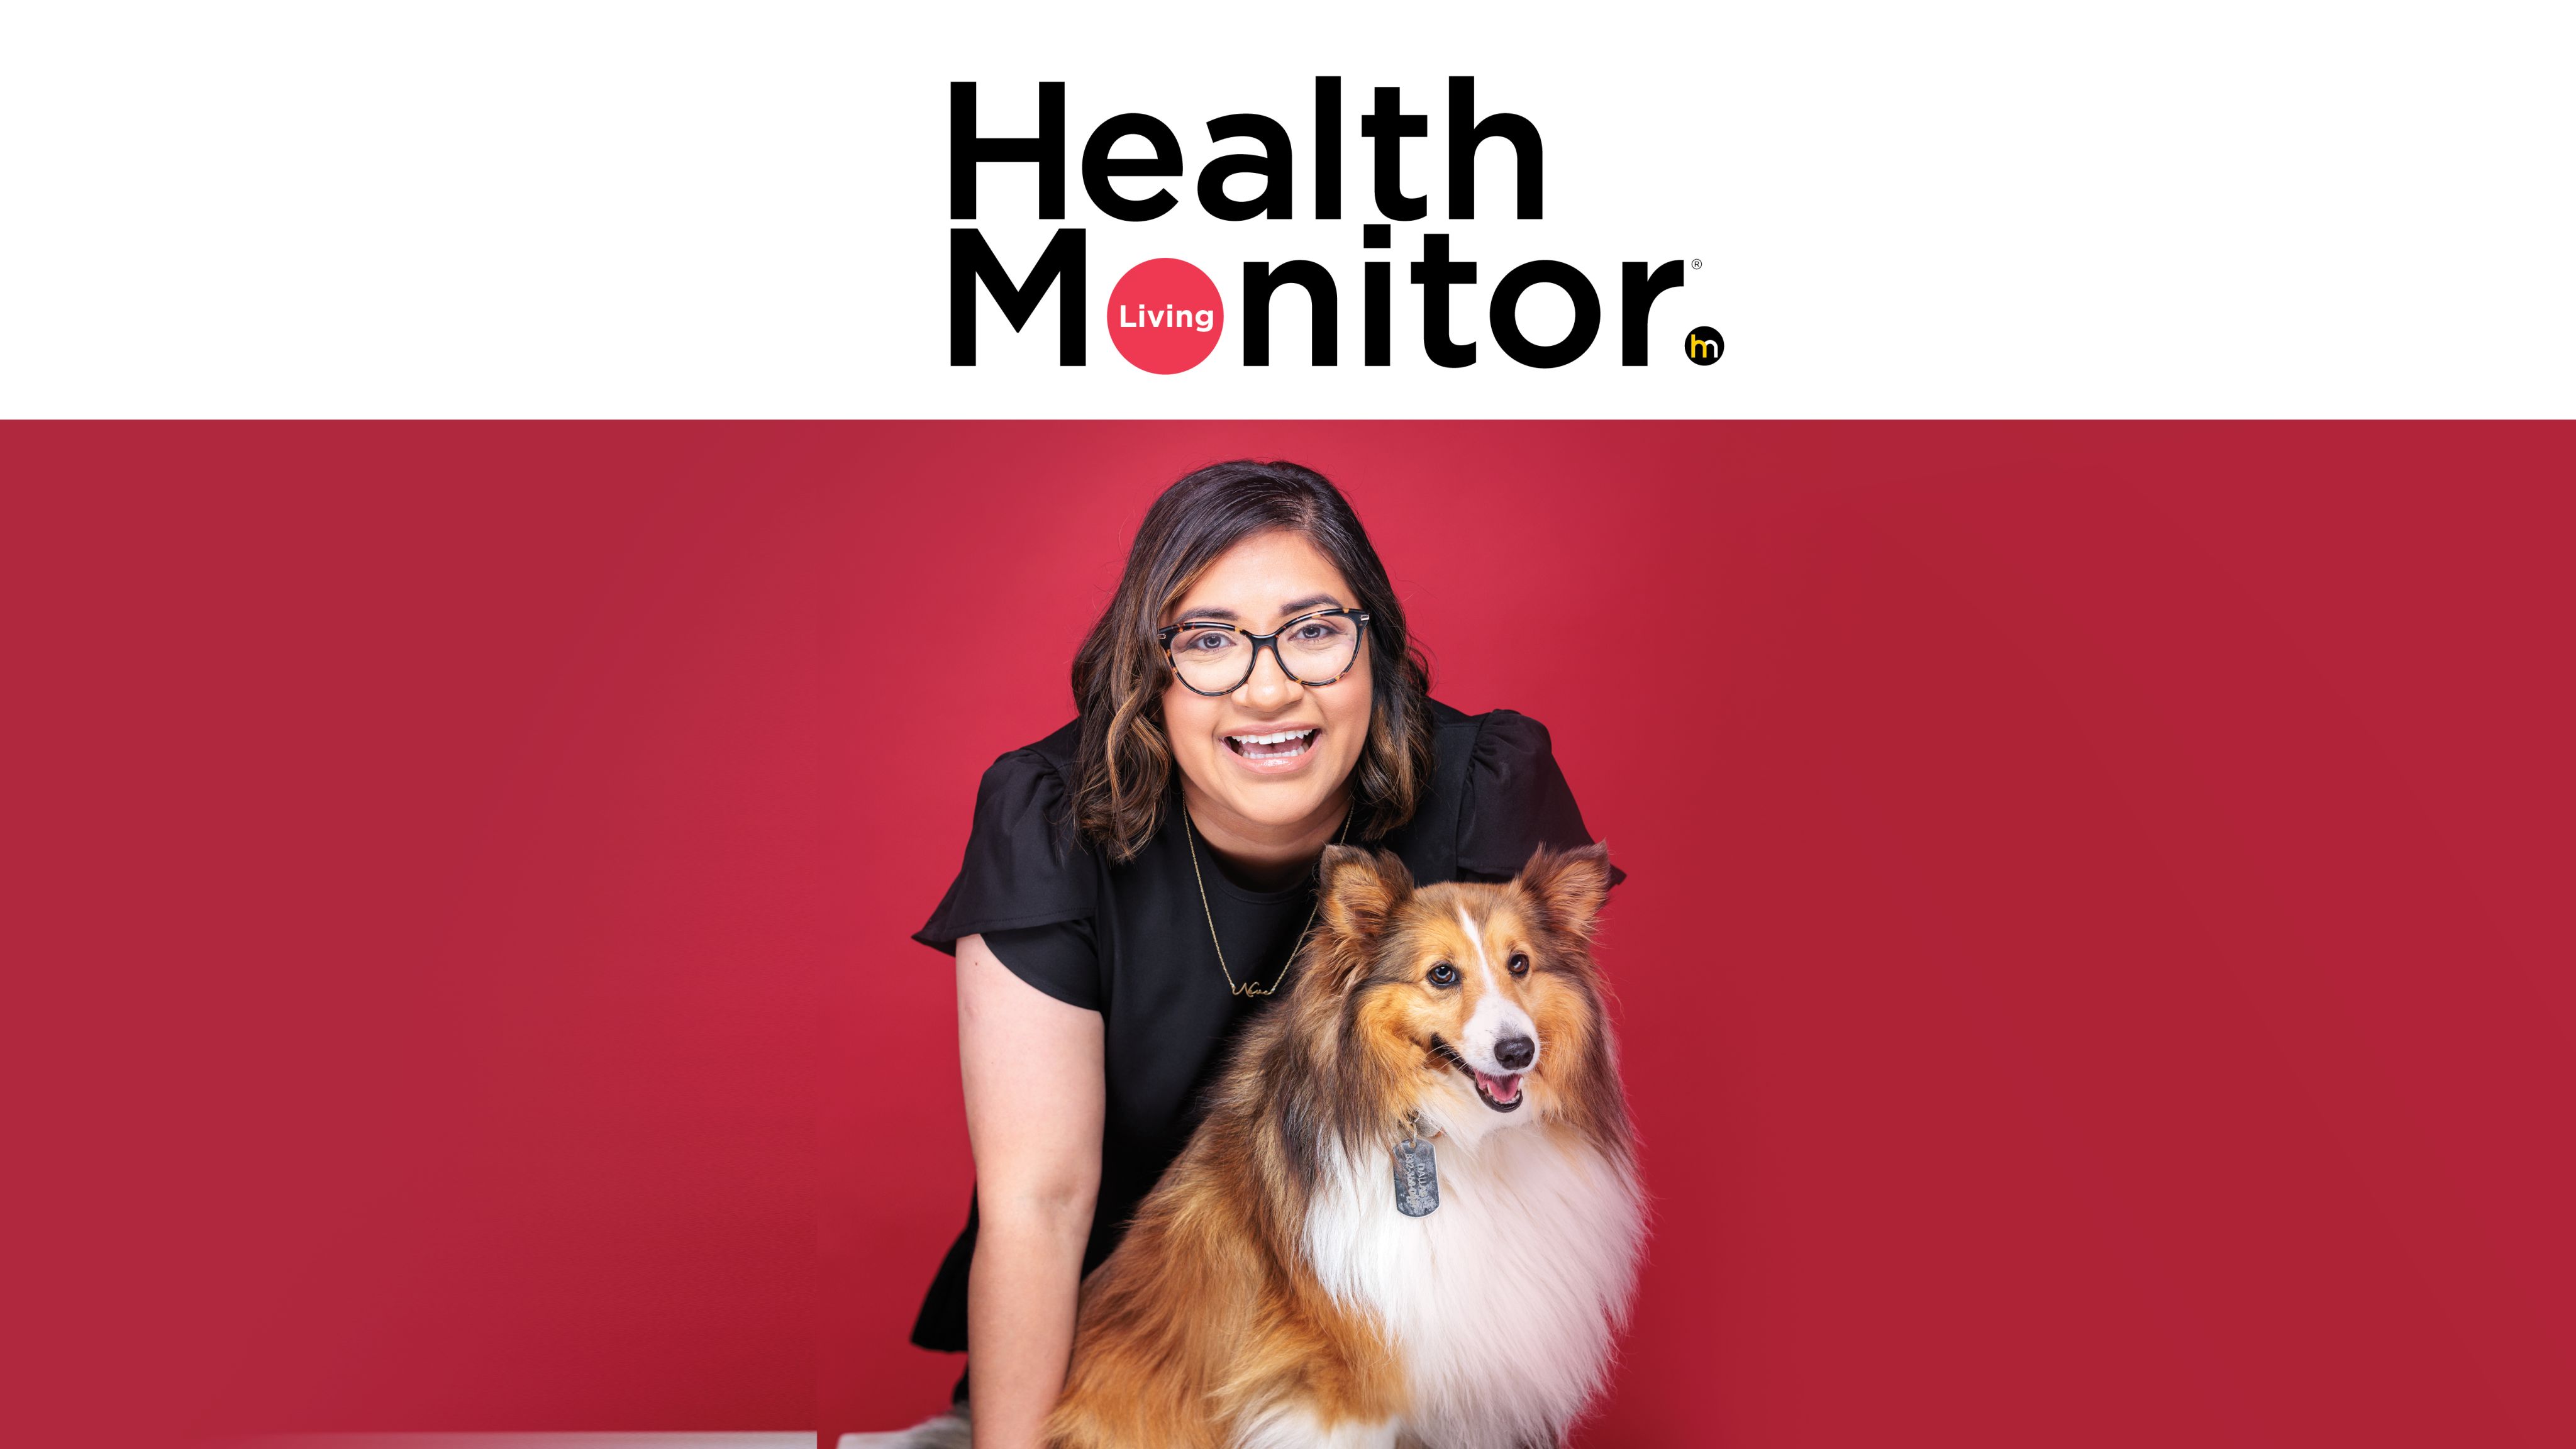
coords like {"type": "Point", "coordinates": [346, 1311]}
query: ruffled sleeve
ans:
{"type": "Point", "coordinates": [1023, 866]}
{"type": "Point", "coordinates": [1516, 800]}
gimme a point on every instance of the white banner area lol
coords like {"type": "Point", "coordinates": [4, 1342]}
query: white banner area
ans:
{"type": "Point", "coordinates": [1855, 210]}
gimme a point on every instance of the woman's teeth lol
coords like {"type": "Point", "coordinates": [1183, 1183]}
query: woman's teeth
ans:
{"type": "Point", "coordinates": [1283, 745]}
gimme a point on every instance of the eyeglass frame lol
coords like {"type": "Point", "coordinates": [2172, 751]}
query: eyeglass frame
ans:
{"type": "Point", "coordinates": [1165, 635]}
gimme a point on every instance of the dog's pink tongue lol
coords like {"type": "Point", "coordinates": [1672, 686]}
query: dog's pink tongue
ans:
{"type": "Point", "coordinates": [1501, 1089]}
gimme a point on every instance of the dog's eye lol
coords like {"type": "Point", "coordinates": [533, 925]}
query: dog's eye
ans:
{"type": "Point", "coordinates": [1444, 974]}
{"type": "Point", "coordinates": [1520, 964]}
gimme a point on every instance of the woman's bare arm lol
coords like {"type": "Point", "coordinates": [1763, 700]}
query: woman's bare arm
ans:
{"type": "Point", "coordinates": [1034, 1103]}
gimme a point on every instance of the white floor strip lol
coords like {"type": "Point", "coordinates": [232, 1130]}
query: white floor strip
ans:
{"type": "Point", "coordinates": [943, 1432]}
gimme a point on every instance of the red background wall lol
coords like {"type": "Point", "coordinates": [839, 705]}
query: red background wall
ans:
{"type": "Point", "coordinates": [2096, 967]}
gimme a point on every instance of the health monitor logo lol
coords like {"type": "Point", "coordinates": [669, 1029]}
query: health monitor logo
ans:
{"type": "Point", "coordinates": [1166, 315]}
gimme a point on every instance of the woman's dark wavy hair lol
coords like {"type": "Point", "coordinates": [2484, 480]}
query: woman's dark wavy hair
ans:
{"type": "Point", "coordinates": [1124, 774]}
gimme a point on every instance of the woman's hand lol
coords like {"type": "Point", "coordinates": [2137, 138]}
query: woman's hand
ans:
{"type": "Point", "coordinates": [1034, 1104]}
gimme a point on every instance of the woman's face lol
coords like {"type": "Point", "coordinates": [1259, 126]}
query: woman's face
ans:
{"type": "Point", "coordinates": [1240, 780]}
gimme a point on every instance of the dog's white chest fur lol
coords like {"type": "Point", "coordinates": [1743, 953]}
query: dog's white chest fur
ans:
{"type": "Point", "coordinates": [1503, 1303]}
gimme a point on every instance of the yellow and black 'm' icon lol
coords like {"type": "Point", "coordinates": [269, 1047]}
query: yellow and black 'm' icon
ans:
{"type": "Point", "coordinates": [1703, 345]}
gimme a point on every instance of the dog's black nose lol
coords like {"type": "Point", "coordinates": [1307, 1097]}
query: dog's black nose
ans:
{"type": "Point", "coordinates": [1515, 1052]}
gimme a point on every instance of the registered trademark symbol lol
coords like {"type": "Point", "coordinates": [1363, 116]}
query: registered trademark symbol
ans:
{"type": "Point", "coordinates": [1694, 264]}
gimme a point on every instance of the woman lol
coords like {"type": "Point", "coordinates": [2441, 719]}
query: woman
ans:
{"type": "Point", "coordinates": [1137, 883]}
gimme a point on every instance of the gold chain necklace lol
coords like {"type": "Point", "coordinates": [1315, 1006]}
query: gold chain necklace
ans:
{"type": "Point", "coordinates": [1254, 988]}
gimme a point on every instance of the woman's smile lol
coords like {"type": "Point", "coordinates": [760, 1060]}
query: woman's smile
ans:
{"type": "Point", "coordinates": [1275, 751]}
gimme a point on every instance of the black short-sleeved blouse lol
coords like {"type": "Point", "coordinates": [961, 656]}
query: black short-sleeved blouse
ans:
{"type": "Point", "coordinates": [1131, 941]}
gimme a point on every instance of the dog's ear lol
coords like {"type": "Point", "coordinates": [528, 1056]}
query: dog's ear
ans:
{"type": "Point", "coordinates": [1362, 889]}
{"type": "Point", "coordinates": [1569, 885]}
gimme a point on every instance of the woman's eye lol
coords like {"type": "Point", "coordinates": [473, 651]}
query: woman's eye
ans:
{"type": "Point", "coordinates": [1312, 632]}
{"type": "Point", "coordinates": [1444, 974]}
{"type": "Point", "coordinates": [1206, 642]}
{"type": "Point", "coordinates": [1520, 964]}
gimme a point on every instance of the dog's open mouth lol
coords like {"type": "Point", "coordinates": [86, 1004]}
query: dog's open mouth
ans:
{"type": "Point", "coordinates": [1277, 745]}
{"type": "Point", "coordinates": [1502, 1093]}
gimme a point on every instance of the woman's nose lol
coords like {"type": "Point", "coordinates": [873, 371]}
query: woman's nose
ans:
{"type": "Point", "coordinates": [1268, 685]}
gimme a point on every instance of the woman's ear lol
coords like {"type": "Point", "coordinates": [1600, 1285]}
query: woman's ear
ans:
{"type": "Point", "coordinates": [1362, 889]}
{"type": "Point", "coordinates": [1569, 885]}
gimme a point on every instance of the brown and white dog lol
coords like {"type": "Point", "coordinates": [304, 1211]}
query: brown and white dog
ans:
{"type": "Point", "coordinates": [1271, 1294]}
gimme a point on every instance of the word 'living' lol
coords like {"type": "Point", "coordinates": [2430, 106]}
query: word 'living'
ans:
{"type": "Point", "coordinates": [1178, 318]}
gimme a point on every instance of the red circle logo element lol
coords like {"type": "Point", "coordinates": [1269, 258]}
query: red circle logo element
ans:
{"type": "Point", "coordinates": [1165, 315]}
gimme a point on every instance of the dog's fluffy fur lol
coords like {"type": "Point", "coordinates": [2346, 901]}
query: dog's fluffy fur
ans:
{"type": "Point", "coordinates": [1270, 1295]}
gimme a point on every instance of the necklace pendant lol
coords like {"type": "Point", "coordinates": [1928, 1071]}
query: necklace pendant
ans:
{"type": "Point", "coordinates": [1417, 1178]}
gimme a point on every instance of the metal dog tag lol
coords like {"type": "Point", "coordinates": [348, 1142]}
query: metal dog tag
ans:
{"type": "Point", "coordinates": [1417, 1178]}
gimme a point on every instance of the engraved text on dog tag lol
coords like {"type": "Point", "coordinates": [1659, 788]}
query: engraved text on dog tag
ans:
{"type": "Point", "coordinates": [1417, 1178]}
